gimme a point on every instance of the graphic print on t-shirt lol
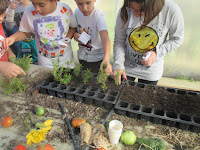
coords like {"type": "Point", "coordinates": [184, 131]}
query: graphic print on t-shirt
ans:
{"type": "Point", "coordinates": [88, 31]}
{"type": "Point", "coordinates": [143, 40]}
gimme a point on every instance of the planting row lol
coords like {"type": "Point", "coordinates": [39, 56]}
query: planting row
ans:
{"type": "Point", "coordinates": [171, 90]}
{"type": "Point", "coordinates": [158, 116]}
{"type": "Point", "coordinates": [90, 95]}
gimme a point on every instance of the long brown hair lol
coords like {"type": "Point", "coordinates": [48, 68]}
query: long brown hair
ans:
{"type": "Point", "coordinates": [3, 6]}
{"type": "Point", "coordinates": [151, 9]}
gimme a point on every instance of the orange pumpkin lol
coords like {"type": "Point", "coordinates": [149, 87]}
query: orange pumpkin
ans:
{"type": "Point", "coordinates": [76, 122]}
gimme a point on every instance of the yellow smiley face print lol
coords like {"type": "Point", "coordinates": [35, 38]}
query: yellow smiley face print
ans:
{"type": "Point", "coordinates": [143, 40]}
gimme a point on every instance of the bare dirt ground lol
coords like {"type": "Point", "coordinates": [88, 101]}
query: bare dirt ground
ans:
{"type": "Point", "coordinates": [18, 106]}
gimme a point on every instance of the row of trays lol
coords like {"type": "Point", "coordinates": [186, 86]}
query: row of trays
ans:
{"type": "Point", "coordinates": [158, 116]}
{"type": "Point", "coordinates": [91, 95]}
{"type": "Point", "coordinates": [96, 96]}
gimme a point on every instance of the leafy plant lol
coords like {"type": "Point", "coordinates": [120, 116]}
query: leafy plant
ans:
{"type": "Point", "coordinates": [77, 70]}
{"type": "Point", "coordinates": [152, 143]}
{"type": "Point", "coordinates": [102, 77]}
{"type": "Point", "coordinates": [11, 85]}
{"type": "Point", "coordinates": [23, 62]}
{"type": "Point", "coordinates": [87, 74]}
{"type": "Point", "coordinates": [65, 79]}
{"type": "Point", "coordinates": [58, 72]}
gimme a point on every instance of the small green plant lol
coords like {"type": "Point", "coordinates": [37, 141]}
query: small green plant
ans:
{"type": "Point", "coordinates": [11, 85]}
{"type": "Point", "coordinates": [77, 70]}
{"type": "Point", "coordinates": [152, 143]}
{"type": "Point", "coordinates": [102, 77]}
{"type": "Point", "coordinates": [66, 79]}
{"type": "Point", "coordinates": [87, 74]}
{"type": "Point", "coordinates": [58, 72]}
{"type": "Point", "coordinates": [23, 62]}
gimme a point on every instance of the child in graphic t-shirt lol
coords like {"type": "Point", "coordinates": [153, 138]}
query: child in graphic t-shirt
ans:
{"type": "Point", "coordinates": [96, 51]}
{"type": "Point", "coordinates": [7, 68]}
{"type": "Point", "coordinates": [51, 22]}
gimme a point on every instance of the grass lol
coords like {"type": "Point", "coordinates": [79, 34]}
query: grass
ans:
{"type": "Point", "coordinates": [185, 78]}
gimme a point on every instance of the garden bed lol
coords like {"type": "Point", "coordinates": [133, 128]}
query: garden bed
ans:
{"type": "Point", "coordinates": [19, 105]}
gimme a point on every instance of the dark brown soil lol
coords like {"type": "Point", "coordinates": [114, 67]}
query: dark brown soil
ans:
{"type": "Point", "coordinates": [161, 98]}
{"type": "Point", "coordinates": [176, 138]}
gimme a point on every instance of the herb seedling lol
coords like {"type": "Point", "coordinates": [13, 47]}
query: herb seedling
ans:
{"type": "Point", "coordinates": [77, 70]}
{"type": "Point", "coordinates": [59, 70]}
{"type": "Point", "coordinates": [11, 85]}
{"type": "Point", "coordinates": [87, 74]}
{"type": "Point", "coordinates": [102, 77]}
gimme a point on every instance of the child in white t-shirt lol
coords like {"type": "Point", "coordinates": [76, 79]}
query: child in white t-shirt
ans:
{"type": "Point", "coordinates": [50, 21]}
{"type": "Point", "coordinates": [94, 51]}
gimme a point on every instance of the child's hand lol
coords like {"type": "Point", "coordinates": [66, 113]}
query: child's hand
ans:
{"type": "Point", "coordinates": [11, 70]}
{"type": "Point", "coordinates": [7, 42]}
{"type": "Point", "coordinates": [149, 61]}
{"type": "Point", "coordinates": [121, 72]}
{"type": "Point", "coordinates": [108, 68]}
{"type": "Point", "coordinates": [76, 36]}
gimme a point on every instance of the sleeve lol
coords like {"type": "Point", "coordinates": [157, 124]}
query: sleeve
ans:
{"type": "Point", "coordinates": [73, 22]}
{"type": "Point", "coordinates": [176, 33]}
{"type": "Point", "coordinates": [101, 22]}
{"type": "Point", "coordinates": [9, 22]}
{"type": "Point", "coordinates": [24, 24]}
{"type": "Point", "coordinates": [119, 44]}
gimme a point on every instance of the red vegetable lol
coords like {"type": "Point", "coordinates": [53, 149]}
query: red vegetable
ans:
{"type": "Point", "coordinates": [45, 147]}
{"type": "Point", "coordinates": [76, 122]}
{"type": "Point", "coordinates": [20, 147]}
{"type": "Point", "coordinates": [100, 148]}
{"type": "Point", "coordinates": [7, 122]}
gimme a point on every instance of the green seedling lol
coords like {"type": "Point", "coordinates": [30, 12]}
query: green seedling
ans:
{"type": "Point", "coordinates": [11, 85]}
{"type": "Point", "coordinates": [87, 74]}
{"type": "Point", "coordinates": [102, 77]}
{"type": "Point", "coordinates": [58, 72]}
{"type": "Point", "coordinates": [77, 70]}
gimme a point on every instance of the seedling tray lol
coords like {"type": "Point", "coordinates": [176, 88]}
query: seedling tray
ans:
{"type": "Point", "coordinates": [159, 116]}
{"type": "Point", "coordinates": [91, 95]}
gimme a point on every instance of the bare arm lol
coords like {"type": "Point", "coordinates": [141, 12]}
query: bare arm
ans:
{"type": "Point", "coordinates": [71, 32]}
{"type": "Point", "coordinates": [106, 47]}
{"type": "Point", "coordinates": [18, 36]}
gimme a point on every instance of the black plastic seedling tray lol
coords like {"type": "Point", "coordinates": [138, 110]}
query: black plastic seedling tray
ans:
{"type": "Point", "coordinates": [95, 96]}
{"type": "Point", "coordinates": [91, 95]}
{"type": "Point", "coordinates": [159, 116]}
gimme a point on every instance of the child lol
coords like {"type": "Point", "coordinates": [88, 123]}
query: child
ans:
{"type": "Point", "coordinates": [7, 68]}
{"type": "Point", "coordinates": [92, 21]}
{"type": "Point", "coordinates": [141, 42]}
{"type": "Point", "coordinates": [50, 21]}
{"type": "Point", "coordinates": [12, 21]}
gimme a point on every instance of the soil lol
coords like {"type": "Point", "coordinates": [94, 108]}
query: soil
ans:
{"type": "Point", "coordinates": [161, 98]}
{"type": "Point", "coordinates": [26, 103]}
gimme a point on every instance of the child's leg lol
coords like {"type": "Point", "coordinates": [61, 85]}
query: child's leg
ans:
{"type": "Point", "coordinates": [93, 66]}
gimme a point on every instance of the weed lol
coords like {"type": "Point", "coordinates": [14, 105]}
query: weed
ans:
{"type": "Point", "coordinates": [87, 74]}
{"type": "Point", "coordinates": [185, 78]}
